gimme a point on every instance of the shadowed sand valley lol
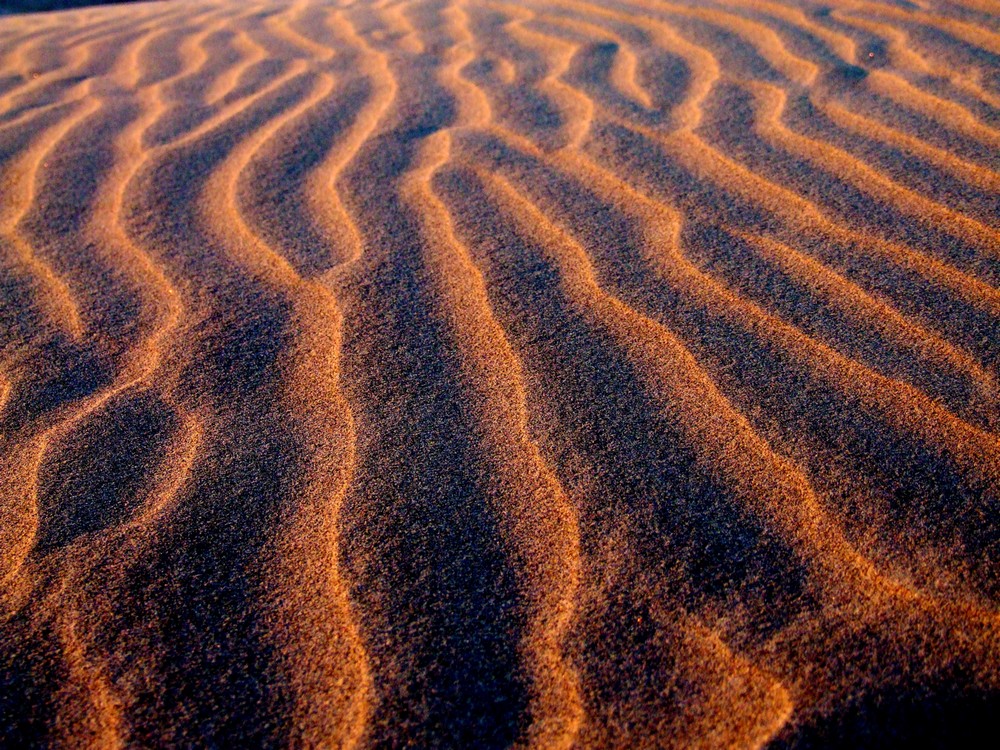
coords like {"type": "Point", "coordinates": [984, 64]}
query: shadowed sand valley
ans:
{"type": "Point", "coordinates": [481, 373]}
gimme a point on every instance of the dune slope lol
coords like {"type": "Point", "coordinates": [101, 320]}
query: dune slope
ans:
{"type": "Point", "coordinates": [481, 373]}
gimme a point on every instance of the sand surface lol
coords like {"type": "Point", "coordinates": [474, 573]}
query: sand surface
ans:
{"type": "Point", "coordinates": [446, 373]}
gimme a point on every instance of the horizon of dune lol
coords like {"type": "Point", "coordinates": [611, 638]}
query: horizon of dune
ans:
{"type": "Point", "coordinates": [500, 373]}
{"type": "Point", "coordinates": [34, 6]}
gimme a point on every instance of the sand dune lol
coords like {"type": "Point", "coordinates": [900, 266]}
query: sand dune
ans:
{"type": "Point", "coordinates": [481, 373]}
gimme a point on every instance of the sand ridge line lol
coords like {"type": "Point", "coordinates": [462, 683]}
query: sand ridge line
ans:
{"type": "Point", "coordinates": [974, 174]}
{"type": "Point", "coordinates": [625, 342]}
{"type": "Point", "coordinates": [576, 164]}
{"type": "Point", "coordinates": [623, 74]}
{"type": "Point", "coordinates": [780, 721]}
{"type": "Point", "coordinates": [702, 159]}
{"type": "Point", "coordinates": [127, 380]}
{"type": "Point", "coordinates": [986, 380]}
{"type": "Point", "coordinates": [772, 102]}
{"type": "Point", "coordinates": [318, 303]}
{"type": "Point", "coordinates": [988, 450]}
{"type": "Point", "coordinates": [80, 50]}
{"type": "Point", "coordinates": [863, 585]}
{"type": "Point", "coordinates": [550, 553]}
{"type": "Point", "coordinates": [557, 718]}
{"type": "Point", "coordinates": [324, 197]}
{"type": "Point", "coordinates": [967, 32]}
{"type": "Point", "coordinates": [113, 192]}
{"type": "Point", "coordinates": [987, 442]}
{"type": "Point", "coordinates": [95, 403]}
{"type": "Point", "coordinates": [221, 182]}
{"type": "Point", "coordinates": [145, 359]}
{"type": "Point", "coordinates": [550, 606]}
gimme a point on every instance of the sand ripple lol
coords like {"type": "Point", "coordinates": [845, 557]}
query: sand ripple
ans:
{"type": "Point", "coordinates": [481, 373]}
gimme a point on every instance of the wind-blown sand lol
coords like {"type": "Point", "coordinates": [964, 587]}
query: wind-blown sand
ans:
{"type": "Point", "coordinates": [555, 373]}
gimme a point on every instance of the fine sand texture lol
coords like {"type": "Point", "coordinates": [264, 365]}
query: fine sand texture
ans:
{"type": "Point", "coordinates": [494, 373]}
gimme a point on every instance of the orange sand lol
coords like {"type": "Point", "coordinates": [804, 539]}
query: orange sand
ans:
{"type": "Point", "coordinates": [481, 373]}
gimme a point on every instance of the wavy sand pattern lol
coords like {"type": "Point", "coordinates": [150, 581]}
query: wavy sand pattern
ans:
{"type": "Point", "coordinates": [481, 373]}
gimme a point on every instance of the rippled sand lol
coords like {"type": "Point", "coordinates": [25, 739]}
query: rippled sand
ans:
{"type": "Point", "coordinates": [486, 374]}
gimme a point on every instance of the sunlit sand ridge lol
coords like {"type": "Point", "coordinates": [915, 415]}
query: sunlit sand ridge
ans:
{"type": "Point", "coordinates": [500, 374]}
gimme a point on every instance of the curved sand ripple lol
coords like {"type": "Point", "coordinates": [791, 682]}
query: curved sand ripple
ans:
{"type": "Point", "coordinates": [485, 373]}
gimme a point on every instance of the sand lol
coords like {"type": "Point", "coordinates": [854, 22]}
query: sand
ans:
{"type": "Point", "coordinates": [480, 373]}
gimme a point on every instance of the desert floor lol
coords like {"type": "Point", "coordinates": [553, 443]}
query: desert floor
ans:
{"type": "Point", "coordinates": [551, 373]}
